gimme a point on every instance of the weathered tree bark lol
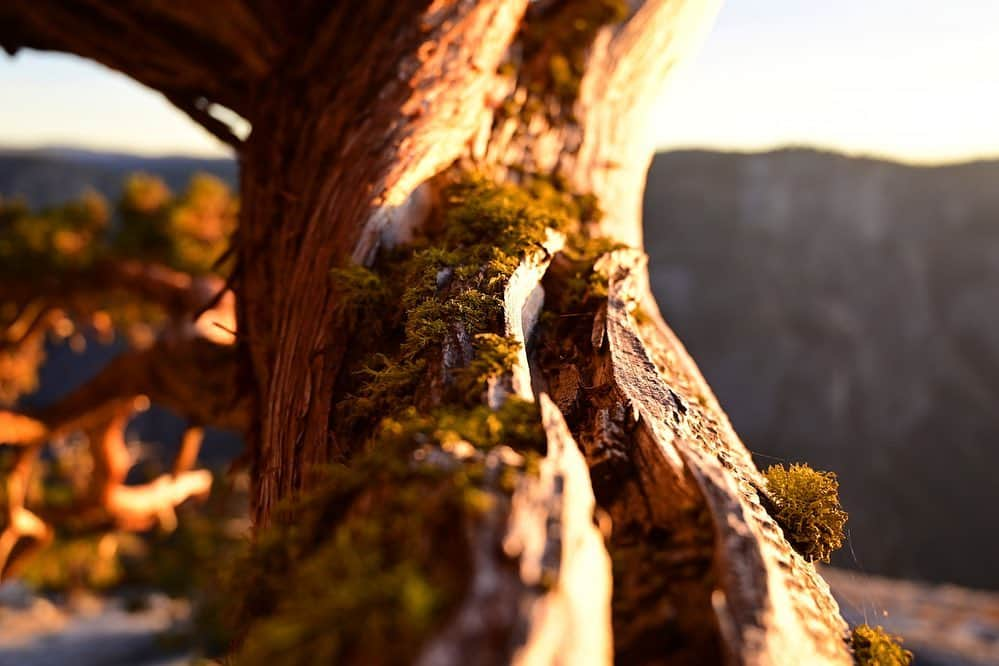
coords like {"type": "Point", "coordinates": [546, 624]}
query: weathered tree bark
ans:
{"type": "Point", "coordinates": [355, 108]}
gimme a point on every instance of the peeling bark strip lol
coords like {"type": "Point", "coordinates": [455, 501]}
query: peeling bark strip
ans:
{"type": "Point", "coordinates": [771, 604]}
{"type": "Point", "coordinates": [552, 605]}
{"type": "Point", "coordinates": [570, 624]}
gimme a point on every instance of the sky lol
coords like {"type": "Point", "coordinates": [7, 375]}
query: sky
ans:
{"type": "Point", "coordinates": [914, 80]}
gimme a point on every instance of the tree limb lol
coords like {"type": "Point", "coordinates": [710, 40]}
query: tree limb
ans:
{"type": "Point", "coordinates": [177, 292]}
{"type": "Point", "coordinates": [195, 378]}
{"type": "Point", "coordinates": [214, 50]}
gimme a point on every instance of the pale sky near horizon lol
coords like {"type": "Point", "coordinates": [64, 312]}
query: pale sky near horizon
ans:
{"type": "Point", "coordinates": [916, 80]}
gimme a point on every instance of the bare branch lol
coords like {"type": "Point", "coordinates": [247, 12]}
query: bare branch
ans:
{"type": "Point", "coordinates": [141, 506]}
{"type": "Point", "coordinates": [190, 445]}
{"type": "Point", "coordinates": [197, 109]}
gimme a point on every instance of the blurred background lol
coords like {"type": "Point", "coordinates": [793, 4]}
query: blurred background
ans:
{"type": "Point", "coordinates": [823, 229]}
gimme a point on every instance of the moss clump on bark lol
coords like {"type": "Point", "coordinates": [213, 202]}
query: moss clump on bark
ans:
{"type": "Point", "coordinates": [495, 355]}
{"type": "Point", "coordinates": [517, 424]}
{"type": "Point", "coordinates": [805, 503]}
{"type": "Point", "coordinates": [450, 286]}
{"type": "Point", "coordinates": [363, 569]}
{"type": "Point", "coordinates": [360, 295]}
{"type": "Point", "coordinates": [873, 646]}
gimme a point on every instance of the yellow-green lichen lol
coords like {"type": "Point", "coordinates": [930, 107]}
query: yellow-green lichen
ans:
{"type": "Point", "coordinates": [805, 503]}
{"type": "Point", "coordinates": [873, 646]}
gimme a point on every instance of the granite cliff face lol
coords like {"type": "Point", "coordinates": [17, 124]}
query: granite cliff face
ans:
{"type": "Point", "coordinates": [846, 312]}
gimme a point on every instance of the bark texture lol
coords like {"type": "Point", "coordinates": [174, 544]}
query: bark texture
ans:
{"type": "Point", "coordinates": [356, 110]}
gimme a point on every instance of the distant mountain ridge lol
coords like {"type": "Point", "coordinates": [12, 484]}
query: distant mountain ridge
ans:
{"type": "Point", "coordinates": [844, 310]}
{"type": "Point", "coordinates": [49, 176]}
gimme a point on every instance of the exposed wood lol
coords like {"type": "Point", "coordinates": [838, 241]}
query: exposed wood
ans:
{"type": "Point", "coordinates": [570, 624]}
{"type": "Point", "coordinates": [601, 145]}
{"type": "Point", "coordinates": [770, 603]}
{"type": "Point", "coordinates": [110, 501]}
{"type": "Point", "coordinates": [190, 445]}
{"type": "Point", "coordinates": [540, 588]}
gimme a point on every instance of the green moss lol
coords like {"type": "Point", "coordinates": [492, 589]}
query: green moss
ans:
{"type": "Point", "coordinates": [482, 216]}
{"type": "Point", "coordinates": [805, 503]}
{"type": "Point", "coordinates": [517, 424]}
{"type": "Point", "coordinates": [374, 588]}
{"type": "Point", "coordinates": [365, 567]}
{"type": "Point", "coordinates": [495, 355]}
{"type": "Point", "coordinates": [360, 297]}
{"type": "Point", "coordinates": [582, 279]}
{"type": "Point", "coordinates": [873, 646]}
{"type": "Point", "coordinates": [453, 285]}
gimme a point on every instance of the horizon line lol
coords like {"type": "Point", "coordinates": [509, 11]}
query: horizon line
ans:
{"type": "Point", "coordinates": [870, 155]}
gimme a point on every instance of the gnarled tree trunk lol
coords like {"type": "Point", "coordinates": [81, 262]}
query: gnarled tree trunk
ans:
{"type": "Point", "coordinates": [357, 109]}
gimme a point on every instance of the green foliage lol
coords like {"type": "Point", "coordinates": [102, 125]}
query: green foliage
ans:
{"type": "Point", "coordinates": [145, 211]}
{"type": "Point", "coordinates": [90, 562]}
{"type": "Point", "coordinates": [66, 245]}
{"type": "Point", "coordinates": [873, 646]}
{"type": "Point", "coordinates": [59, 238]}
{"type": "Point", "coordinates": [189, 233]}
{"type": "Point", "coordinates": [200, 224]}
{"type": "Point", "coordinates": [19, 369]}
{"type": "Point", "coordinates": [806, 505]}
